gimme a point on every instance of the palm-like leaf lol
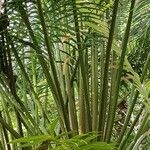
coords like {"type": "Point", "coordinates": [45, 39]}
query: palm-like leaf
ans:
{"type": "Point", "coordinates": [61, 53]}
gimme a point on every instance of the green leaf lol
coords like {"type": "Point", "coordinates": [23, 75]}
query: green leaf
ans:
{"type": "Point", "coordinates": [101, 28]}
{"type": "Point", "coordinates": [34, 139]}
{"type": "Point", "coordinates": [98, 146]}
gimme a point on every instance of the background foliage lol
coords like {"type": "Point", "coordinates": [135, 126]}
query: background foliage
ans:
{"type": "Point", "coordinates": [74, 74]}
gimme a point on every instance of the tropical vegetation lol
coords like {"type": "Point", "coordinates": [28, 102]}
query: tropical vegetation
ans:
{"type": "Point", "coordinates": [74, 74]}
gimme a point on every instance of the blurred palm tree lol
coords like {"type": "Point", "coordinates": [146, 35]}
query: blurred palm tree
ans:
{"type": "Point", "coordinates": [64, 68]}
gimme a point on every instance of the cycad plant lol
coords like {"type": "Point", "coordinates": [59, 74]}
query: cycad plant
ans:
{"type": "Point", "coordinates": [74, 74]}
